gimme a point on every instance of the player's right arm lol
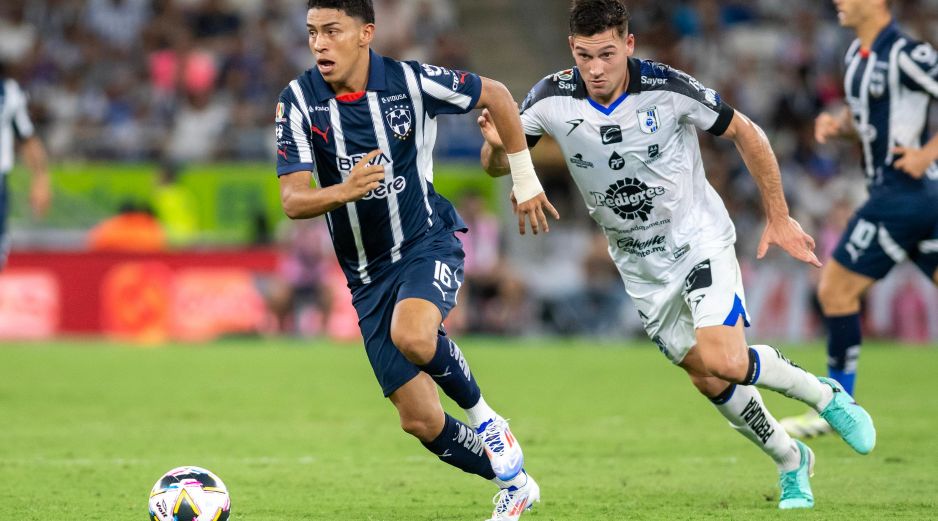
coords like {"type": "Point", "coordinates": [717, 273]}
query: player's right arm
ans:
{"type": "Point", "coordinates": [494, 155]}
{"type": "Point", "coordinates": [837, 125]}
{"type": "Point", "coordinates": [296, 162]}
{"type": "Point", "coordinates": [300, 200]}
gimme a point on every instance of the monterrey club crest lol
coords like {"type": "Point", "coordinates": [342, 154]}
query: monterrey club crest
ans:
{"type": "Point", "coordinates": [400, 120]}
{"type": "Point", "coordinates": [648, 120]}
{"type": "Point", "coordinates": [629, 198]}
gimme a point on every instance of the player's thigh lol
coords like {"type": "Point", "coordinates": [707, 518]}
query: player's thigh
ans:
{"type": "Point", "coordinates": [840, 289]}
{"type": "Point", "coordinates": [713, 291]}
{"type": "Point", "coordinates": [665, 316]}
{"type": "Point", "coordinates": [374, 304]}
{"type": "Point", "coordinates": [435, 275]}
{"type": "Point", "coordinates": [414, 326]}
{"type": "Point", "coordinates": [926, 255]}
{"type": "Point", "coordinates": [418, 405]}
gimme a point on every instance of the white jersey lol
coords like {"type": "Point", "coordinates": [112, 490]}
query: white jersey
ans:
{"type": "Point", "coordinates": [637, 164]}
{"type": "Point", "coordinates": [14, 121]}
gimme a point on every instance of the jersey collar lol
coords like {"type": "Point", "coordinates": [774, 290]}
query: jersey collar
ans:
{"type": "Point", "coordinates": [884, 39]}
{"type": "Point", "coordinates": [377, 79]}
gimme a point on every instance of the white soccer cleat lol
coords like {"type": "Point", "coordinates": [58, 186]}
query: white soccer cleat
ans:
{"type": "Point", "coordinates": [807, 425]}
{"type": "Point", "coordinates": [502, 448]}
{"type": "Point", "coordinates": [511, 502]}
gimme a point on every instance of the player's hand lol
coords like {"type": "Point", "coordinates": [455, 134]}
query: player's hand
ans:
{"type": "Point", "coordinates": [40, 195]}
{"type": "Point", "coordinates": [489, 132]}
{"type": "Point", "coordinates": [913, 161]}
{"type": "Point", "coordinates": [363, 178]}
{"type": "Point", "coordinates": [534, 210]}
{"type": "Point", "coordinates": [789, 236]}
{"type": "Point", "coordinates": [826, 126]}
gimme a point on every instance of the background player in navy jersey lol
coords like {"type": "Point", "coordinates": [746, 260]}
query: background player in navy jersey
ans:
{"type": "Point", "coordinates": [890, 81]}
{"type": "Point", "coordinates": [629, 130]}
{"type": "Point", "coordinates": [363, 128]}
{"type": "Point", "coordinates": [16, 124]}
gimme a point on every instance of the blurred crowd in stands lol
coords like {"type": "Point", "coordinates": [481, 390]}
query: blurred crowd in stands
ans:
{"type": "Point", "coordinates": [177, 81]}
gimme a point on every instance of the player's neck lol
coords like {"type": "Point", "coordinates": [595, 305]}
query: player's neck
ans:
{"type": "Point", "coordinates": [357, 80]}
{"type": "Point", "coordinates": [870, 29]}
{"type": "Point", "coordinates": [616, 94]}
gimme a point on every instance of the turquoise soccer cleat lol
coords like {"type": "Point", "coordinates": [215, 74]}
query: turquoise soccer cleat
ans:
{"type": "Point", "coordinates": [850, 420]}
{"type": "Point", "coordinates": [796, 488]}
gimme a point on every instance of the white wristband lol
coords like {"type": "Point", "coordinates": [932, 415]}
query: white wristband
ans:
{"type": "Point", "coordinates": [522, 174]}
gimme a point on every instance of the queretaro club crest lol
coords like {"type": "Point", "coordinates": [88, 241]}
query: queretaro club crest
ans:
{"type": "Point", "coordinates": [648, 120]}
{"type": "Point", "coordinates": [401, 121]}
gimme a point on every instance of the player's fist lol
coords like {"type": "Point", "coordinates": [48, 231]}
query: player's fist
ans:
{"type": "Point", "coordinates": [913, 161]}
{"type": "Point", "coordinates": [363, 178]}
{"type": "Point", "coordinates": [489, 132]}
{"type": "Point", "coordinates": [826, 126]}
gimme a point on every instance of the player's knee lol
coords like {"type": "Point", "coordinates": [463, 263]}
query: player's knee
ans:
{"type": "Point", "coordinates": [416, 346]}
{"type": "Point", "coordinates": [730, 365]}
{"type": "Point", "coordinates": [835, 298]}
{"type": "Point", "coordinates": [420, 428]}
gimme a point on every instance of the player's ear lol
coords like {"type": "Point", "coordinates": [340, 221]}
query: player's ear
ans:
{"type": "Point", "coordinates": [629, 44]}
{"type": "Point", "coordinates": [366, 35]}
{"type": "Point", "coordinates": [571, 40]}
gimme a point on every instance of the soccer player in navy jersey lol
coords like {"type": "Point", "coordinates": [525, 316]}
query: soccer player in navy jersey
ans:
{"type": "Point", "coordinates": [15, 124]}
{"type": "Point", "coordinates": [891, 79]}
{"type": "Point", "coordinates": [363, 127]}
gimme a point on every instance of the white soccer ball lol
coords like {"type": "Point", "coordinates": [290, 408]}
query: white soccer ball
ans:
{"type": "Point", "coordinates": [189, 494]}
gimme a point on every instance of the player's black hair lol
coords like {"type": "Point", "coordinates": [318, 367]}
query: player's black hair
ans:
{"type": "Point", "coordinates": [589, 17]}
{"type": "Point", "coordinates": [364, 10]}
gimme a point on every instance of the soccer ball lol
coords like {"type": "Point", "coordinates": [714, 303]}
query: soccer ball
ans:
{"type": "Point", "coordinates": [189, 494]}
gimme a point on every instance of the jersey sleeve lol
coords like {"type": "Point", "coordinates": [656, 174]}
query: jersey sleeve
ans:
{"type": "Point", "coordinates": [447, 91]}
{"type": "Point", "coordinates": [532, 121]}
{"type": "Point", "coordinates": [294, 140]}
{"type": "Point", "coordinates": [918, 68]}
{"type": "Point", "coordinates": [698, 104]}
{"type": "Point", "coordinates": [22, 124]}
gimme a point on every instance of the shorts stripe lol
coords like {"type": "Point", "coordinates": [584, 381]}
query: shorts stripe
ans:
{"type": "Point", "coordinates": [738, 311]}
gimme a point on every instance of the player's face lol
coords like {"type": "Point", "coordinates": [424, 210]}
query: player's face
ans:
{"type": "Point", "coordinates": [852, 13]}
{"type": "Point", "coordinates": [339, 42]}
{"type": "Point", "coordinates": [603, 62]}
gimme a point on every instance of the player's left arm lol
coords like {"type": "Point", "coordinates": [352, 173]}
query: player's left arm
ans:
{"type": "Point", "coordinates": [782, 230]}
{"type": "Point", "coordinates": [918, 71]}
{"type": "Point", "coordinates": [40, 193]}
{"type": "Point", "coordinates": [528, 198]}
{"type": "Point", "coordinates": [33, 153]}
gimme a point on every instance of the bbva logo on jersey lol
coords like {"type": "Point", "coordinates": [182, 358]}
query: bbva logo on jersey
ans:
{"type": "Point", "coordinates": [648, 120]}
{"type": "Point", "coordinates": [401, 120]}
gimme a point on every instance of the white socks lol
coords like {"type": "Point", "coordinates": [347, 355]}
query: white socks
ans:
{"type": "Point", "coordinates": [742, 406]}
{"type": "Point", "coordinates": [518, 481]}
{"type": "Point", "coordinates": [770, 370]}
{"type": "Point", "coordinates": [480, 413]}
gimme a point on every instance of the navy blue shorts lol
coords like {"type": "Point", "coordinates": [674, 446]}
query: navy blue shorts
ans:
{"type": "Point", "coordinates": [431, 271]}
{"type": "Point", "coordinates": [4, 209]}
{"type": "Point", "coordinates": [887, 231]}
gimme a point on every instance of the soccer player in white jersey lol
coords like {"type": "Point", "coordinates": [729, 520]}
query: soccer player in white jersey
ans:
{"type": "Point", "coordinates": [891, 80]}
{"type": "Point", "coordinates": [628, 129]}
{"type": "Point", "coordinates": [362, 127]}
{"type": "Point", "coordinates": [15, 124]}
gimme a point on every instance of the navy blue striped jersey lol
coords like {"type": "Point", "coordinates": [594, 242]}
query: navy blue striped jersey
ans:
{"type": "Point", "coordinates": [328, 135]}
{"type": "Point", "coordinates": [889, 89]}
{"type": "Point", "coordinates": [14, 121]}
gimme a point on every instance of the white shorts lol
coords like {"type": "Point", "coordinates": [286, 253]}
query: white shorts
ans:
{"type": "Point", "coordinates": [711, 294]}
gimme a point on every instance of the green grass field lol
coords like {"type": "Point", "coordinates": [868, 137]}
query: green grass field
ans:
{"type": "Point", "coordinates": [299, 431]}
